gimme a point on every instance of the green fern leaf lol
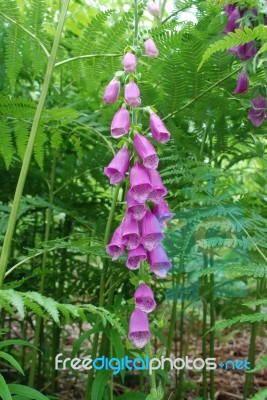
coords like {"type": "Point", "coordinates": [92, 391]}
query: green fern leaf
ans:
{"type": "Point", "coordinates": [21, 131]}
{"type": "Point", "coordinates": [15, 299]}
{"type": "Point", "coordinates": [234, 39]}
{"type": "Point", "coordinates": [13, 57]}
{"type": "Point", "coordinates": [38, 148]}
{"type": "Point", "coordinates": [49, 305]}
{"type": "Point", "coordinates": [6, 145]}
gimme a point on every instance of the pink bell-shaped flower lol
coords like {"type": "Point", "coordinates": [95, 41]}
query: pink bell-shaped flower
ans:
{"type": "Point", "coordinates": [140, 186]}
{"type": "Point", "coordinates": [158, 189]}
{"type": "Point", "coordinates": [112, 91]}
{"type": "Point", "coordinates": [135, 257]}
{"type": "Point", "coordinates": [135, 209]}
{"type": "Point", "coordinates": [162, 211]}
{"type": "Point", "coordinates": [151, 231]}
{"type": "Point", "coordinates": [118, 167]}
{"type": "Point", "coordinates": [144, 298]}
{"type": "Point", "coordinates": [129, 63]}
{"type": "Point", "coordinates": [115, 248]}
{"type": "Point", "coordinates": [130, 232]}
{"type": "Point", "coordinates": [159, 262]}
{"type": "Point", "coordinates": [153, 8]}
{"type": "Point", "coordinates": [159, 131]}
{"type": "Point", "coordinates": [242, 83]}
{"type": "Point", "coordinates": [121, 123]}
{"type": "Point", "coordinates": [150, 48]}
{"type": "Point", "coordinates": [132, 94]}
{"type": "Point", "coordinates": [139, 333]}
{"type": "Point", "coordinates": [146, 151]}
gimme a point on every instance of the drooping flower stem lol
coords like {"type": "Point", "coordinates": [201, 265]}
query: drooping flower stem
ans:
{"type": "Point", "coordinates": [101, 290]}
{"type": "Point", "coordinates": [29, 149]}
{"type": "Point", "coordinates": [152, 377]}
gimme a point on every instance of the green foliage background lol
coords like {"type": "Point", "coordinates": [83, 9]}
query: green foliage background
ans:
{"type": "Point", "coordinates": [214, 166]}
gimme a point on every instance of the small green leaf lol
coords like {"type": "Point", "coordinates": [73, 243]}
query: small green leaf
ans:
{"type": "Point", "coordinates": [99, 384]}
{"type": "Point", "coordinates": [15, 342]}
{"type": "Point", "coordinates": [11, 360]}
{"type": "Point", "coordinates": [26, 391]}
{"type": "Point", "coordinates": [4, 391]}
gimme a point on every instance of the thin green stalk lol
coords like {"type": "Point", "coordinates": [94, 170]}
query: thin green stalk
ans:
{"type": "Point", "coordinates": [248, 387]}
{"type": "Point", "coordinates": [48, 223]}
{"type": "Point", "coordinates": [249, 379]}
{"type": "Point", "coordinates": [152, 377]}
{"type": "Point", "coordinates": [58, 64]}
{"type": "Point", "coordinates": [212, 333]}
{"type": "Point", "coordinates": [172, 327]}
{"type": "Point", "coordinates": [101, 291]}
{"type": "Point", "coordinates": [179, 391]}
{"type": "Point", "coordinates": [29, 149]}
{"type": "Point", "coordinates": [204, 329]}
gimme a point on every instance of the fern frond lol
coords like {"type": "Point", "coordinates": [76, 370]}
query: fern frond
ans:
{"type": "Point", "coordinates": [251, 318]}
{"type": "Point", "coordinates": [21, 132]}
{"type": "Point", "coordinates": [14, 299]}
{"type": "Point", "coordinates": [35, 21]}
{"type": "Point", "coordinates": [6, 144]}
{"type": "Point", "coordinates": [261, 364]}
{"type": "Point", "coordinates": [241, 3]}
{"type": "Point", "coordinates": [13, 56]}
{"type": "Point", "coordinates": [38, 148]}
{"type": "Point", "coordinates": [46, 306]}
{"type": "Point", "coordinates": [17, 107]}
{"type": "Point", "coordinates": [234, 39]}
{"type": "Point", "coordinates": [10, 8]}
{"type": "Point", "coordinates": [253, 270]}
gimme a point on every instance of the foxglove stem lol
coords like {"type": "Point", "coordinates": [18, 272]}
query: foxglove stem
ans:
{"type": "Point", "coordinates": [29, 149]}
{"type": "Point", "coordinates": [101, 291]}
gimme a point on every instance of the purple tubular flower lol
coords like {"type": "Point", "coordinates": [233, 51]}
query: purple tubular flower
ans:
{"type": "Point", "coordinates": [139, 333]}
{"type": "Point", "coordinates": [151, 231]}
{"type": "Point", "coordinates": [162, 211]}
{"type": "Point", "coordinates": [130, 233]}
{"type": "Point", "coordinates": [118, 167]}
{"type": "Point", "coordinates": [159, 262]}
{"type": "Point", "coordinates": [150, 48]}
{"type": "Point", "coordinates": [112, 91]}
{"type": "Point", "coordinates": [121, 123]}
{"type": "Point", "coordinates": [129, 62]}
{"type": "Point", "coordinates": [144, 299]}
{"type": "Point", "coordinates": [135, 209]}
{"type": "Point", "coordinates": [153, 9]}
{"type": "Point", "coordinates": [146, 151]}
{"type": "Point", "coordinates": [135, 257]}
{"type": "Point", "coordinates": [132, 94]}
{"type": "Point", "coordinates": [242, 83]}
{"type": "Point", "coordinates": [244, 51]}
{"type": "Point", "coordinates": [229, 9]}
{"type": "Point", "coordinates": [140, 186]}
{"type": "Point", "coordinates": [158, 189]}
{"type": "Point", "coordinates": [232, 23]}
{"type": "Point", "coordinates": [115, 248]}
{"type": "Point", "coordinates": [158, 129]}
{"type": "Point", "coordinates": [257, 113]}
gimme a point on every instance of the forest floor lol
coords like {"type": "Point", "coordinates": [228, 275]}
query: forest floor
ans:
{"type": "Point", "coordinates": [231, 345]}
